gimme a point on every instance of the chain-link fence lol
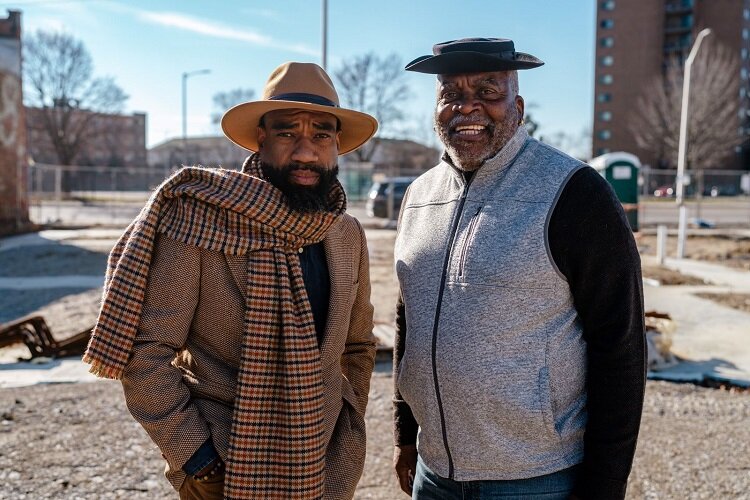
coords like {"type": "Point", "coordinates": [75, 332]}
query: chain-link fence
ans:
{"type": "Point", "coordinates": [62, 182]}
{"type": "Point", "coordinates": [80, 195]}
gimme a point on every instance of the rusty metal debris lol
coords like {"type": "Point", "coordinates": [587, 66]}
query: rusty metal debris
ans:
{"type": "Point", "coordinates": [35, 333]}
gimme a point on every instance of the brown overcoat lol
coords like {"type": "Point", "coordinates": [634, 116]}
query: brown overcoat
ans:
{"type": "Point", "coordinates": [180, 380]}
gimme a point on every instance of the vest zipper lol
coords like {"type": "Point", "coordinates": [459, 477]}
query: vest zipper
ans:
{"type": "Point", "coordinates": [469, 234]}
{"type": "Point", "coordinates": [446, 261]}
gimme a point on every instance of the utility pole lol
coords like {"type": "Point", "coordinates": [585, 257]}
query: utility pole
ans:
{"type": "Point", "coordinates": [325, 33]}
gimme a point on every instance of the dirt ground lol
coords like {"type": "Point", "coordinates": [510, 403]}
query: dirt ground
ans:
{"type": "Point", "coordinates": [733, 251]}
{"type": "Point", "coordinates": [78, 440]}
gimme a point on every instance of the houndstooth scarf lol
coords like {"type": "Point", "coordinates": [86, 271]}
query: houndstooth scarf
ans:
{"type": "Point", "coordinates": [276, 448]}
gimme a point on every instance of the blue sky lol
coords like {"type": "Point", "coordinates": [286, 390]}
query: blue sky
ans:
{"type": "Point", "coordinates": [147, 45]}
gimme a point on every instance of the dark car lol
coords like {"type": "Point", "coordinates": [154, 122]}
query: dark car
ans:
{"type": "Point", "coordinates": [385, 190]}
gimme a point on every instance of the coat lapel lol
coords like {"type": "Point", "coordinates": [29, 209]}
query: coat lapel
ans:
{"type": "Point", "coordinates": [238, 267]}
{"type": "Point", "coordinates": [339, 259]}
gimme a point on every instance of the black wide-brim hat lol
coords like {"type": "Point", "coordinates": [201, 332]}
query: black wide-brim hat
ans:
{"type": "Point", "coordinates": [473, 55]}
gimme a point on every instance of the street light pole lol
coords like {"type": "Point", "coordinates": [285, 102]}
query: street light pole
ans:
{"type": "Point", "coordinates": [185, 76]}
{"type": "Point", "coordinates": [682, 148]}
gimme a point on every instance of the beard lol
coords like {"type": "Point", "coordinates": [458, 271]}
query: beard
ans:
{"type": "Point", "coordinates": [307, 199]}
{"type": "Point", "coordinates": [469, 156]}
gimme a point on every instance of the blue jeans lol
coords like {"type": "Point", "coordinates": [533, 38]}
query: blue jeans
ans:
{"type": "Point", "coordinates": [555, 486]}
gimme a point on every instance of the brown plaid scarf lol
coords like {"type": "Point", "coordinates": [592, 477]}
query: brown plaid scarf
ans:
{"type": "Point", "coordinates": [276, 448]}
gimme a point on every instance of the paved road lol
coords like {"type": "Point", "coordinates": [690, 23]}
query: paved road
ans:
{"type": "Point", "coordinates": [734, 212]}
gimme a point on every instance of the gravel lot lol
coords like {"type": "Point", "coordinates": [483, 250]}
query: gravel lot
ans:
{"type": "Point", "coordinates": [73, 441]}
{"type": "Point", "coordinates": [78, 441]}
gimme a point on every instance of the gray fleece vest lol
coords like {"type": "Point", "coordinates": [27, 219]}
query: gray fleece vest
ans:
{"type": "Point", "coordinates": [494, 367]}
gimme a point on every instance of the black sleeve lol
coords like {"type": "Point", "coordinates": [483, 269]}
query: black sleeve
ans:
{"type": "Point", "coordinates": [404, 426]}
{"type": "Point", "coordinates": [592, 245]}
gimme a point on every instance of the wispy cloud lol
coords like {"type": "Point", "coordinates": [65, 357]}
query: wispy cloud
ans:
{"type": "Point", "coordinates": [266, 13]}
{"type": "Point", "coordinates": [44, 24]}
{"type": "Point", "coordinates": [219, 30]}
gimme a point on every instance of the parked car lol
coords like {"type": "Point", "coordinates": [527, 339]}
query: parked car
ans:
{"type": "Point", "coordinates": [382, 191]}
{"type": "Point", "coordinates": [664, 191]}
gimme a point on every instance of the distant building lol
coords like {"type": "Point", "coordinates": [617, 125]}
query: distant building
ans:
{"type": "Point", "coordinates": [399, 157]}
{"type": "Point", "coordinates": [392, 158]}
{"type": "Point", "coordinates": [635, 40]}
{"type": "Point", "coordinates": [118, 141]}
{"type": "Point", "coordinates": [14, 208]}
{"type": "Point", "coordinates": [213, 151]}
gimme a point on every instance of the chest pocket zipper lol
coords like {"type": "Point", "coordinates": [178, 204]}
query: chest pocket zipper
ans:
{"type": "Point", "coordinates": [469, 235]}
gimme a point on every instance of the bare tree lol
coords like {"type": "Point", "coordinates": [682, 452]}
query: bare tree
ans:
{"type": "Point", "coordinates": [532, 125]}
{"type": "Point", "coordinates": [225, 100]}
{"type": "Point", "coordinates": [376, 86]}
{"type": "Point", "coordinates": [577, 145]}
{"type": "Point", "coordinates": [58, 73]}
{"type": "Point", "coordinates": [712, 122]}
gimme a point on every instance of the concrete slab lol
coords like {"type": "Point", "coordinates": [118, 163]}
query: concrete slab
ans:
{"type": "Point", "coordinates": [47, 282]}
{"type": "Point", "coordinates": [44, 371]}
{"type": "Point", "coordinates": [737, 279]}
{"type": "Point", "coordinates": [712, 340]}
{"type": "Point", "coordinates": [82, 237]}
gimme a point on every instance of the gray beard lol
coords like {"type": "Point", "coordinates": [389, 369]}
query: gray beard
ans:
{"type": "Point", "coordinates": [470, 161]}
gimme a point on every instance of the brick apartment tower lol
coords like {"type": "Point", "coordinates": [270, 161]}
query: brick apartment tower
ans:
{"type": "Point", "coordinates": [14, 208]}
{"type": "Point", "coordinates": [634, 41]}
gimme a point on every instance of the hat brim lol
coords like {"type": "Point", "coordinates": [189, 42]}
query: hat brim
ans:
{"type": "Point", "coordinates": [240, 123]}
{"type": "Point", "coordinates": [470, 62]}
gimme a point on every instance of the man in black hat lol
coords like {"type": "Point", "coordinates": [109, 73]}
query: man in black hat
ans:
{"type": "Point", "coordinates": [519, 365]}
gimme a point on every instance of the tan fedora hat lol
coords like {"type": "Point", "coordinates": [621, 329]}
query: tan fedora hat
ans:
{"type": "Point", "coordinates": [295, 85]}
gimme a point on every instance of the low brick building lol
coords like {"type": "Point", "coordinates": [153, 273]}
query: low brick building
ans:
{"type": "Point", "coordinates": [14, 208]}
{"type": "Point", "coordinates": [119, 141]}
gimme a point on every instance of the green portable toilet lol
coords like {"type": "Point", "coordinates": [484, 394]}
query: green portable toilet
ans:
{"type": "Point", "coordinates": [621, 171]}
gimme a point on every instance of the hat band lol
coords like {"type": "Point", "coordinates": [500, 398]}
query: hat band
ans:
{"type": "Point", "coordinates": [302, 97]}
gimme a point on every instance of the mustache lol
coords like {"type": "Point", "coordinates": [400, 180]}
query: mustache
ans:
{"type": "Point", "coordinates": [467, 120]}
{"type": "Point", "coordinates": [312, 168]}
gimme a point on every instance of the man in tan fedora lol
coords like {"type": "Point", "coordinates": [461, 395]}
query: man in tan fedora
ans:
{"type": "Point", "coordinates": [237, 307]}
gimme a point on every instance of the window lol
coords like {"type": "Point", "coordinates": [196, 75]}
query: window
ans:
{"type": "Point", "coordinates": [746, 14]}
{"type": "Point", "coordinates": [744, 53]}
{"type": "Point", "coordinates": [606, 79]}
{"type": "Point", "coordinates": [607, 23]}
{"type": "Point", "coordinates": [607, 61]}
{"type": "Point", "coordinates": [607, 41]}
{"type": "Point", "coordinates": [745, 34]}
{"type": "Point", "coordinates": [743, 73]}
{"type": "Point", "coordinates": [604, 97]}
{"type": "Point", "coordinates": [605, 116]}
{"type": "Point", "coordinates": [608, 5]}
{"type": "Point", "coordinates": [604, 134]}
